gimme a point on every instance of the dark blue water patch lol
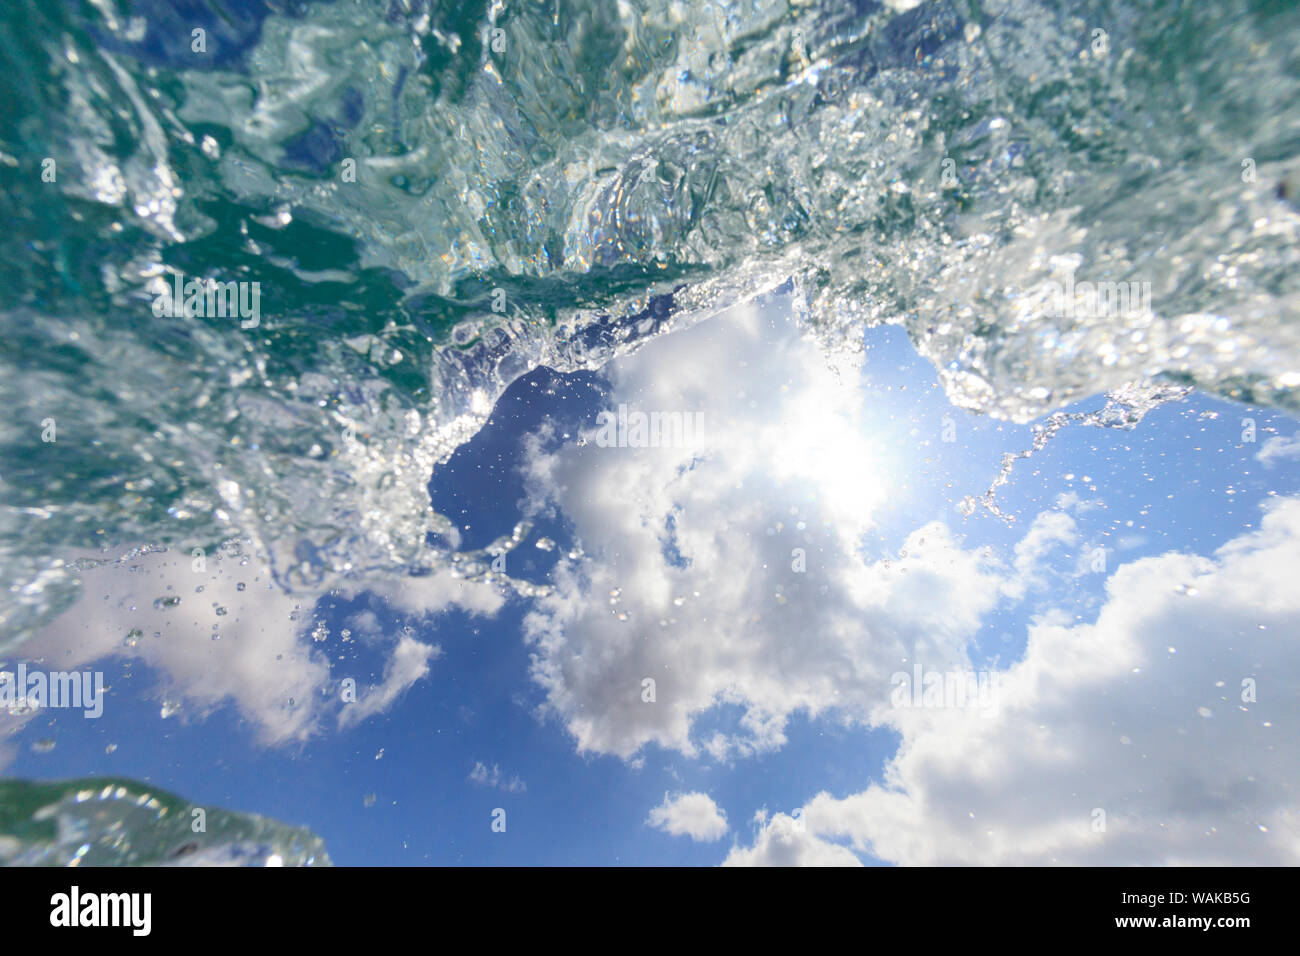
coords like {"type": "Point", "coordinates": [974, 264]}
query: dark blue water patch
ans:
{"type": "Point", "coordinates": [907, 40]}
{"type": "Point", "coordinates": [315, 149]}
{"type": "Point", "coordinates": [321, 145]}
{"type": "Point", "coordinates": [605, 331]}
{"type": "Point", "coordinates": [352, 107]}
{"type": "Point", "coordinates": [231, 28]}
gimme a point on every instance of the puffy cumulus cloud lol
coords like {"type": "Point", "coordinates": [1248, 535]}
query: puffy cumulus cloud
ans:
{"type": "Point", "coordinates": [1049, 531]}
{"type": "Point", "coordinates": [689, 814]}
{"type": "Point", "coordinates": [729, 571]}
{"type": "Point", "coordinates": [227, 634]}
{"type": "Point", "coordinates": [1144, 715]}
{"type": "Point", "coordinates": [786, 841]}
{"type": "Point", "coordinates": [727, 579]}
{"type": "Point", "coordinates": [1279, 448]}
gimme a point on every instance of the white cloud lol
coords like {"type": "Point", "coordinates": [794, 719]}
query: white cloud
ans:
{"type": "Point", "coordinates": [1279, 448]}
{"type": "Point", "coordinates": [1050, 530]}
{"type": "Point", "coordinates": [431, 593]}
{"type": "Point", "coordinates": [232, 637]}
{"type": "Point", "coordinates": [492, 777]}
{"type": "Point", "coordinates": [1138, 714]}
{"type": "Point", "coordinates": [689, 814]}
{"type": "Point", "coordinates": [409, 663]}
{"type": "Point", "coordinates": [690, 581]}
{"type": "Point", "coordinates": [693, 580]}
{"type": "Point", "coordinates": [785, 842]}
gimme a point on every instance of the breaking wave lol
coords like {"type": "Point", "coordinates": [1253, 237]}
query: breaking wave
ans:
{"type": "Point", "coordinates": [436, 198]}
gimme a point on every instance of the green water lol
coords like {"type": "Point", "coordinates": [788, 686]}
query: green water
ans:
{"type": "Point", "coordinates": [118, 822]}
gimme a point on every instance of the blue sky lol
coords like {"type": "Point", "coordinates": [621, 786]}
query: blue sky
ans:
{"type": "Point", "coordinates": [1181, 481]}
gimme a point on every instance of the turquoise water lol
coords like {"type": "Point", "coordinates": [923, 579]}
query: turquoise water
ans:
{"type": "Point", "coordinates": [110, 822]}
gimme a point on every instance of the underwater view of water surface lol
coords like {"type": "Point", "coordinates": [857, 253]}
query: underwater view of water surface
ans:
{"type": "Point", "coordinates": [649, 432]}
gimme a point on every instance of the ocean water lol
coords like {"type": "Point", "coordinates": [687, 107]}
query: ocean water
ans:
{"type": "Point", "coordinates": [107, 822]}
{"type": "Point", "coordinates": [436, 199]}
